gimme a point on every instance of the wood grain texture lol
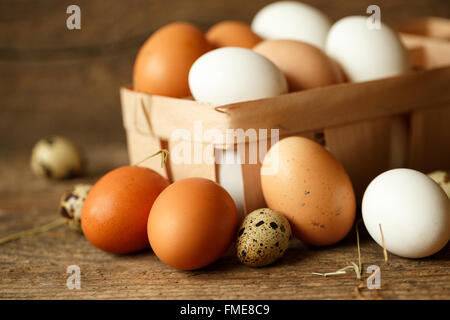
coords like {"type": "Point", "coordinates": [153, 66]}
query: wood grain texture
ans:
{"type": "Point", "coordinates": [35, 267]}
{"type": "Point", "coordinates": [57, 81]}
{"type": "Point", "coordinates": [67, 82]}
{"type": "Point", "coordinates": [430, 134]}
{"type": "Point", "coordinates": [370, 139]}
{"type": "Point", "coordinates": [296, 112]}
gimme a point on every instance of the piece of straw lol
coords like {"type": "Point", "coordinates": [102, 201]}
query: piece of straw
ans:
{"type": "Point", "coordinates": [384, 246]}
{"type": "Point", "coordinates": [33, 231]}
{"type": "Point", "coordinates": [385, 254]}
{"type": "Point", "coordinates": [164, 154]}
{"type": "Point", "coordinates": [352, 265]}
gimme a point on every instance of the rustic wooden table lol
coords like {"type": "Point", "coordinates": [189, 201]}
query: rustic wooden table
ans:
{"type": "Point", "coordinates": [66, 82]}
{"type": "Point", "coordinates": [35, 267]}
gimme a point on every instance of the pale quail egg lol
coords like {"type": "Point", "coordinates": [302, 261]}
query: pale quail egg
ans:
{"type": "Point", "coordinates": [443, 179]}
{"type": "Point", "coordinates": [56, 157]}
{"type": "Point", "coordinates": [71, 204]}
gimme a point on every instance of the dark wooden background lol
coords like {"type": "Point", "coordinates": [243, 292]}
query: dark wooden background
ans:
{"type": "Point", "coordinates": [57, 81]}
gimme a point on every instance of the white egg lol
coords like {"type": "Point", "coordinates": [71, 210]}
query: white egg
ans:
{"type": "Point", "coordinates": [413, 211]}
{"type": "Point", "coordinates": [366, 53]}
{"type": "Point", "coordinates": [292, 20]}
{"type": "Point", "coordinates": [230, 177]}
{"type": "Point", "coordinates": [229, 75]}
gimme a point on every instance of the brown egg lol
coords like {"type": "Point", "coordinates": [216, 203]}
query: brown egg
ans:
{"type": "Point", "coordinates": [311, 188]}
{"type": "Point", "coordinates": [163, 62]}
{"type": "Point", "coordinates": [115, 212]}
{"type": "Point", "coordinates": [232, 34]}
{"type": "Point", "coordinates": [192, 223]}
{"type": "Point", "coordinates": [343, 77]}
{"type": "Point", "coordinates": [305, 66]}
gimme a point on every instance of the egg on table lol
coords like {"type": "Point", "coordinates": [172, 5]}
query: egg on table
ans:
{"type": "Point", "coordinates": [192, 223]}
{"type": "Point", "coordinates": [263, 238]}
{"type": "Point", "coordinates": [304, 66]}
{"type": "Point", "coordinates": [115, 212]}
{"type": "Point", "coordinates": [413, 211]}
{"type": "Point", "coordinates": [231, 74]}
{"type": "Point", "coordinates": [310, 188]}
{"type": "Point", "coordinates": [56, 157]}
{"type": "Point", "coordinates": [232, 34]}
{"type": "Point", "coordinates": [163, 62]}
{"type": "Point", "coordinates": [71, 205]}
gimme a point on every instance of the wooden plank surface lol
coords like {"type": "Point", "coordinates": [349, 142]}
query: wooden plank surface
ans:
{"type": "Point", "coordinates": [35, 267]}
{"type": "Point", "coordinates": [56, 81]}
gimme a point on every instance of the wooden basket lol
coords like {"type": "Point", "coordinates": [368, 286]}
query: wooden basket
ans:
{"type": "Point", "coordinates": [370, 127]}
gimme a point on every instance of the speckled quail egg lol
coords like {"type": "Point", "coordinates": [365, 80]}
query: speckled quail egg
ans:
{"type": "Point", "coordinates": [71, 204]}
{"type": "Point", "coordinates": [443, 179]}
{"type": "Point", "coordinates": [56, 157]}
{"type": "Point", "coordinates": [262, 238]}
